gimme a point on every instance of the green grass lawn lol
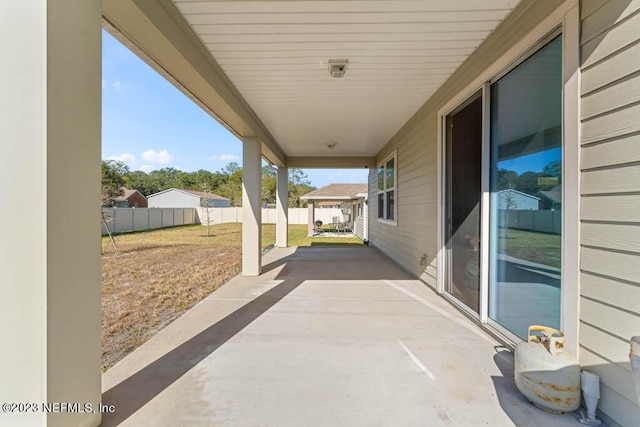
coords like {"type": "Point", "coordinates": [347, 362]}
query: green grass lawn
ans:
{"type": "Point", "coordinates": [541, 248]}
{"type": "Point", "coordinates": [298, 237]}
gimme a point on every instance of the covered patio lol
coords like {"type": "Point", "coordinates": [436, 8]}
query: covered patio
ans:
{"type": "Point", "coordinates": [339, 336]}
{"type": "Point", "coordinates": [334, 336]}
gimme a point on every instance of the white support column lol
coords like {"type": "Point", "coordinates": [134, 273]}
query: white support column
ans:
{"type": "Point", "coordinates": [311, 206]}
{"type": "Point", "coordinates": [365, 214]}
{"type": "Point", "coordinates": [282, 205]}
{"type": "Point", "coordinates": [50, 247]}
{"type": "Point", "coordinates": [251, 207]}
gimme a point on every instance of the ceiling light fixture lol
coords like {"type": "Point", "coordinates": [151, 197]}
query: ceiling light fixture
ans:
{"type": "Point", "coordinates": [338, 67]}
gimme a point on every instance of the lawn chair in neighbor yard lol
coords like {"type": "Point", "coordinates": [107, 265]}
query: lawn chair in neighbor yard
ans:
{"type": "Point", "coordinates": [317, 229]}
{"type": "Point", "coordinates": [335, 224]}
{"type": "Point", "coordinates": [344, 227]}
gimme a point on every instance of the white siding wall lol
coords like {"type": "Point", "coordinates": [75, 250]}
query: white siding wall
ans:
{"type": "Point", "coordinates": [173, 199]}
{"type": "Point", "coordinates": [416, 142]}
{"type": "Point", "coordinates": [610, 184]}
{"type": "Point", "coordinates": [359, 229]}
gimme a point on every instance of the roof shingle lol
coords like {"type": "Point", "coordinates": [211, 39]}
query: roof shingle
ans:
{"type": "Point", "coordinates": [336, 191]}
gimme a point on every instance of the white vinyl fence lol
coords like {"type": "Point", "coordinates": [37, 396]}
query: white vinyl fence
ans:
{"type": "Point", "coordinates": [544, 221]}
{"type": "Point", "coordinates": [135, 219]}
{"type": "Point", "coordinates": [131, 219]}
{"type": "Point", "coordinates": [296, 215]}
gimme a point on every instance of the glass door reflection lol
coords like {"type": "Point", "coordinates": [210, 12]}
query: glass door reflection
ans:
{"type": "Point", "coordinates": [526, 193]}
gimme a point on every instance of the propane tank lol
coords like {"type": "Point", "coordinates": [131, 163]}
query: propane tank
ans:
{"type": "Point", "coordinates": [546, 374]}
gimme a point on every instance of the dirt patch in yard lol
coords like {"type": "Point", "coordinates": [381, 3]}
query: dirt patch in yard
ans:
{"type": "Point", "coordinates": [157, 276]}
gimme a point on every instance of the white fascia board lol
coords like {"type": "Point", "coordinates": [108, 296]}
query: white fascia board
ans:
{"type": "Point", "coordinates": [326, 198]}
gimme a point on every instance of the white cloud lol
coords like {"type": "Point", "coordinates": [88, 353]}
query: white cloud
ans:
{"type": "Point", "coordinates": [146, 168]}
{"type": "Point", "coordinates": [127, 158]}
{"type": "Point", "coordinates": [117, 85]}
{"type": "Point", "coordinates": [224, 157]}
{"type": "Point", "coordinates": [162, 157]}
{"type": "Point", "coordinates": [102, 82]}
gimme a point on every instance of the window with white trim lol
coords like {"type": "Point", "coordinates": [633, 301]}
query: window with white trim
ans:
{"type": "Point", "coordinates": [387, 177]}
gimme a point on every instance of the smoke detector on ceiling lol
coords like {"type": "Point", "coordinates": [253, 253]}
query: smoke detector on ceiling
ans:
{"type": "Point", "coordinates": [337, 67]}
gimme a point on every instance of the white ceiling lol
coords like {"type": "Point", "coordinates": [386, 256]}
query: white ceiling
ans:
{"type": "Point", "coordinates": [399, 53]}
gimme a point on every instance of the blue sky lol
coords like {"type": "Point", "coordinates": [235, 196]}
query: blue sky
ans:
{"type": "Point", "coordinates": [532, 162]}
{"type": "Point", "coordinates": [149, 124]}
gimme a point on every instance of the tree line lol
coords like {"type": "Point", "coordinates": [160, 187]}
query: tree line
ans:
{"type": "Point", "coordinates": [530, 182]}
{"type": "Point", "coordinates": [227, 182]}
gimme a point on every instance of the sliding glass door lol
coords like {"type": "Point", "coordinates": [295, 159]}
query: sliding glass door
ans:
{"type": "Point", "coordinates": [526, 193]}
{"type": "Point", "coordinates": [463, 194]}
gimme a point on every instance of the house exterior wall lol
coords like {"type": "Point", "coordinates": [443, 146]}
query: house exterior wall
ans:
{"type": "Point", "coordinates": [609, 179]}
{"type": "Point", "coordinates": [415, 232]}
{"type": "Point", "coordinates": [173, 199]}
{"type": "Point", "coordinates": [515, 200]}
{"type": "Point", "coordinates": [610, 184]}
{"type": "Point", "coordinates": [137, 200]}
{"type": "Point", "coordinates": [215, 203]}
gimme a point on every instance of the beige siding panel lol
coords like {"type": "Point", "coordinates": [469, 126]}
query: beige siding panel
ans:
{"type": "Point", "coordinates": [619, 180]}
{"type": "Point", "coordinates": [610, 261]}
{"type": "Point", "coordinates": [618, 294]}
{"type": "Point", "coordinates": [615, 152]}
{"type": "Point", "coordinates": [617, 322]}
{"type": "Point", "coordinates": [617, 394]}
{"type": "Point", "coordinates": [613, 264]}
{"type": "Point", "coordinates": [620, 95]}
{"type": "Point", "coordinates": [611, 208]}
{"type": "Point", "coordinates": [611, 41]}
{"type": "Point", "coordinates": [621, 237]}
{"type": "Point", "coordinates": [612, 125]}
{"type": "Point", "coordinates": [588, 7]}
{"type": "Point", "coordinates": [614, 68]}
{"type": "Point", "coordinates": [611, 348]}
{"type": "Point", "coordinates": [606, 17]}
{"type": "Point", "coordinates": [623, 411]}
{"type": "Point", "coordinates": [426, 189]}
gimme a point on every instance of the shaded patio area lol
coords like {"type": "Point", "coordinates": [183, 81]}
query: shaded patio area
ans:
{"type": "Point", "coordinates": [325, 336]}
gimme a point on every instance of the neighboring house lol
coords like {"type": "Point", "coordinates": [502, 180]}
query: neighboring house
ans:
{"type": "Point", "coordinates": [350, 198]}
{"type": "Point", "coordinates": [131, 199]}
{"type": "Point", "coordinates": [513, 199]}
{"type": "Point", "coordinates": [177, 198]}
{"type": "Point", "coordinates": [551, 199]}
{"type": "Point", "coordinates": [328, 205]}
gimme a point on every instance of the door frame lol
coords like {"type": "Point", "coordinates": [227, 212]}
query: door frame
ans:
{"type": "Point", "coordinates": [567, 17]}
{"type": "Point", "coordinates": [484, 181]}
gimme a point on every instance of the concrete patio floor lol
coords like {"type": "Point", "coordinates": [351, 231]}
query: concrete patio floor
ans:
{"type": "Point", "coordinates": [325, 336]}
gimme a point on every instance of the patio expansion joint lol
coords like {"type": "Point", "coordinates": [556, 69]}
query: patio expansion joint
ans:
{"type": "Point", "coordinates": [451, 316]}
